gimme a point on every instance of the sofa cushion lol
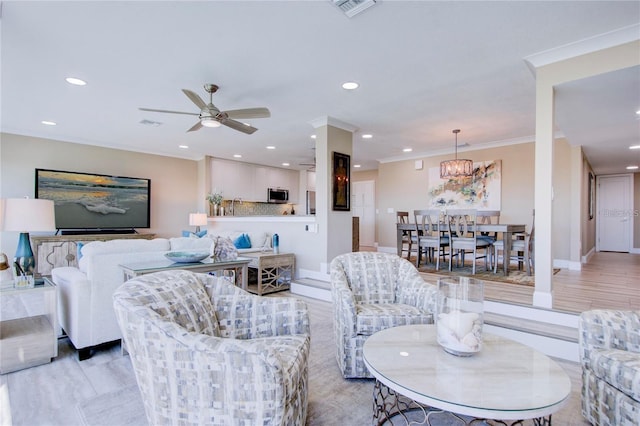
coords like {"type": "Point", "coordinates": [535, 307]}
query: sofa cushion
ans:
{"type": "Point", "coordinates": [620, 369]}
{"type": "Point", "coordinates": [120, 246]}
{"type": "Point", "coordinates": [185, 243]}
{"type": "Point", "coordinates": [373, 317]}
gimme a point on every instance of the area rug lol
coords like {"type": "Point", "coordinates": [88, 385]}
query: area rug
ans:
{"type": "Point", "coordinates": [515, 276]}
{"type": "Point", "coordinates": [332, 399]}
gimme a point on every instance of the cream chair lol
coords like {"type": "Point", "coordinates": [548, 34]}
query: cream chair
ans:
{"type": "Point", "coordinates": [373, 291]}
{"type": "Point", "coordinates": [610, 358]}
{"type": "Point", "coordinates": [207, 352]}
{"type": "Point", "coordinates": [522, 249]}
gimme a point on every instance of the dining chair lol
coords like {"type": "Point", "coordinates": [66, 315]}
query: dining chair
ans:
{"type": "Point", "coordinates": [463, 237]}
{"type": "Point", "coordinates": [522, 248]}
{"type": "Point", "coordinates": [409, 238]}
{"type": "Point", "coordinates": [430, 235]}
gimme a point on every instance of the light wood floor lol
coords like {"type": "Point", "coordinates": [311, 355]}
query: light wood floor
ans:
{"type": "Point", "coordinates": [608, 281]}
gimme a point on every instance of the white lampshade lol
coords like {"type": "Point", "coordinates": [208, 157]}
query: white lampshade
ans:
{"type": "Point", "coordinates": [28, 215]}
{"type": "Point", "coordinates": [197, 219]}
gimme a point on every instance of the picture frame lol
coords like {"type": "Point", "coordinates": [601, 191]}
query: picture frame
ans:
{"type": "Point", "coordinates": [341, 182]}
{"type": "Point", "coordinates": [591, 195]}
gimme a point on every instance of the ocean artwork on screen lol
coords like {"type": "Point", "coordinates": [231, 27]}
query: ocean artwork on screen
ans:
{"type": "Point", "coordinates": [93, 201]}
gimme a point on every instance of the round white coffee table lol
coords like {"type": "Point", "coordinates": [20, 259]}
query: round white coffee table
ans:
{"type": "Point", "coordinates": [506, 380]}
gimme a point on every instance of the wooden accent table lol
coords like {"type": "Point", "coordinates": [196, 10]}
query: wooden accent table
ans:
{"type": "Point", "coordinates": [275, 271]}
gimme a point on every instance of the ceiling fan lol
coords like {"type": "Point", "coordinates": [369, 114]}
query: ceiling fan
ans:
{"type": "Point", "coordinates": [211, 116]}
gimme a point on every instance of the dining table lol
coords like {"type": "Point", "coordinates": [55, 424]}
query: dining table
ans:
{"type": "Point", "coordinates": [506, 229]}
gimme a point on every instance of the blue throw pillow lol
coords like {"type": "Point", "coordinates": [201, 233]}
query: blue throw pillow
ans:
{"type": "Point", "coordinates": [242, 242]}
{"type": "Point", "coordinates": [194, 234]}
{"type": "Point", "coordinates": [79, 245]}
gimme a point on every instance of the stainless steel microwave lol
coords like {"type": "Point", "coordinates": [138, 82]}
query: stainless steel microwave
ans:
{"type": "Point", "coordinates": [277, 195]}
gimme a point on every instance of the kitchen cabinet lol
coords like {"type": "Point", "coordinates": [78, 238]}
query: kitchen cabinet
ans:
{"type": "Point", "coordinates": [250, 181]}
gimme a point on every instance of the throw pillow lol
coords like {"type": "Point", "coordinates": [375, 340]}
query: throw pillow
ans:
{"type": "Point", "coordinates": [223, 248]}
{"type": "Point", "coordinates": [242, 242]}
{"type": "Point", "coordinates": [79, 245]}
{"type": "Point", "coordinates": [194, 234]}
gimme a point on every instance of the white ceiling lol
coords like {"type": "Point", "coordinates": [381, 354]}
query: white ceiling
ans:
{"type": "Point", "coordinates": [424, 68]}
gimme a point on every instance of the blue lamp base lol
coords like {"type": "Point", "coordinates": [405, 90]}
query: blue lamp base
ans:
{"type": "Point", "coordinates": [24, 263]}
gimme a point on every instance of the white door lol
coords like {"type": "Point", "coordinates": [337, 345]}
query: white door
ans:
{"type": "Point", "coordinates": [364, 206]}
{"type": "Point", "coordinates": [614, 214]}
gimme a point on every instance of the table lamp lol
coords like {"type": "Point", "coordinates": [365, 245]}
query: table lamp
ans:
{"type": "Point", "coordinates": [197, 220]}
{"type": "Point", "coordinates": [26, 215]}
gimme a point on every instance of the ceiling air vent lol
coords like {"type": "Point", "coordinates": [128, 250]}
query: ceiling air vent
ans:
{"type": "Point", "coordinates": [353, 7]}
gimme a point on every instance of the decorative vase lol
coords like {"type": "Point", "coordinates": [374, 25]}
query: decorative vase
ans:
{"type": "Point", "coordinates": [215, 209]}
{"type": "Point", "coordinates": [459, 317]}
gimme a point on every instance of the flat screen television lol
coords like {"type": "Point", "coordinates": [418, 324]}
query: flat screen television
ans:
{"type": "Point", "coordinates": [94, 202]}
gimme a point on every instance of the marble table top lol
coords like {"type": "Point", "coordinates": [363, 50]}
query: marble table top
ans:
{"type": "Point", "coordinates": [506, 380]}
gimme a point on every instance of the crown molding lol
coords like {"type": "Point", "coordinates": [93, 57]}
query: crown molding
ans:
{"type": "Point", "coordinates": [334, 122]}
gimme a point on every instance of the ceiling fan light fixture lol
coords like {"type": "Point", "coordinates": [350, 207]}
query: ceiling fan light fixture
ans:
{"type": "Point", "coordinates": [456, 168]}
{"type": "Point", "coordinates": [209, 122]}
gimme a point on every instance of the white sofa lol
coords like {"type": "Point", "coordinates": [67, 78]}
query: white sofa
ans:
{"type": "Point", "coordinates": [85, 293]}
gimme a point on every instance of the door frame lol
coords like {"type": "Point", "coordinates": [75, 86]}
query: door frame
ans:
{"type": "Point", "coordinates": [373, 208]}
{"type": "Point", "coordinates": [629, 208]}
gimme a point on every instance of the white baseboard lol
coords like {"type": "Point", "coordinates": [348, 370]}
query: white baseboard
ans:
{"type": "Point", "coordinates": [312, 292]}
{"type": "Point", "coordinates": [567, 264]}
{"type": "Point", "coordinates": [635, 250]}
{"type": "Point", "coordinates": [549, 346]}
{"type": "Point", "coordinates": [315, 275]}
{"type": "Point", "coordinates": [387, 249]}
{"type": "Point", "coordinates": [586, 257]}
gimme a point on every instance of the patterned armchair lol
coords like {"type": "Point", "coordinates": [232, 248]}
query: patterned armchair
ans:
{"type": "Point", "coordinates": [207, 352]}
{"type": "Point", "coordinates": [610, 357]}
{"type": "Point", "coordinates": [371, 292]}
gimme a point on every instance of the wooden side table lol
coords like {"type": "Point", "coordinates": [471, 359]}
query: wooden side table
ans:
{"type": "Point", "coordinates": [29, 339]}
{"type": "Point", "coordinates": [275, 271]}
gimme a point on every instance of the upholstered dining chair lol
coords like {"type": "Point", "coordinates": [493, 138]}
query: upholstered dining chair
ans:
{"type": "Point", "coordinates": [609, 343]}
{"type": "Point", "coordinates": [522, 248]}
{"type": "Point", "coordinates": [431, 235]}
{"type": "Point", "coordinates": [463, 238]}
{"type": "Point", "coordinates": [410, 237]}
{"type": "Point", "coordinates": [373, 291]}
{"type": "Point", "coordinates": [206, 352]}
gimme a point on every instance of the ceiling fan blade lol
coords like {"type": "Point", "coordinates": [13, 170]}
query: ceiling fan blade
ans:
{"type": "Point", "coordinates": [248, 113]}
{"type": "Point", "coordinates": [170, 112]}
{"type": "Point", "coordinates": [195, 98]}
{"type": "Point", "coordinates": [195, 127]}
{"type": "Point", "coordinates": [236, 125]}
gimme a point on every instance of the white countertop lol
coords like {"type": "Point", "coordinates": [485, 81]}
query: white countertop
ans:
{"type": "Point", "coordinates": [275, 218]}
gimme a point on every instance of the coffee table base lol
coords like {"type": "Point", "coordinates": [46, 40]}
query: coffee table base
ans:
{"type": "Point", "coordinates": [390, 407]}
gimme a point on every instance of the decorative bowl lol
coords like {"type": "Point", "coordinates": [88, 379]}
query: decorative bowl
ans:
{"type": "Point", "coordinates": [185, 256]}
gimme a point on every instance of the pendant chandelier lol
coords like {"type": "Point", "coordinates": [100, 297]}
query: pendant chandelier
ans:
{"type": "Point", "coordinates": [456, 168]}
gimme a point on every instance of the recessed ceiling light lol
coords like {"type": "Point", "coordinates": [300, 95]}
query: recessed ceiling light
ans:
{"type": "Point", "coordinates": [48, 123]}
{"type": "Point", "coordinates": [367, 136]}
{"type": "Point", "coordinates": [75, 81]}
{"type": "Point", "coordinates": [237, 156]}
{"type": "Point", "coordinates": [632, 167]}
{"type": "Point", "coordinates": [271, 147]}
{"type": "Point", "coordinates": [634, 147]}
{"type": "Point", "coordinates": [407, 150]}
{"type": "Point", "coordinates": [313, 136]}
{"type": "Point", "coordinates": [350, 85]}
{"type": "Point", "coordinates": [356, 166]}
{"type": "Point", "coordinates": [285, 164]}
{"type": "Point", "coordinates": [183, 146]}
{"type": "Point", "coordinates": [638, 112]}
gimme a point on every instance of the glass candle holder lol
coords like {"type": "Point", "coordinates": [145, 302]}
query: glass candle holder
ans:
{"type": "Point", "coordinates": [459, 317]}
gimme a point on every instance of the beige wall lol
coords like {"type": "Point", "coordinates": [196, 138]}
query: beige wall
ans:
{"type": "Point", "coordinates": [401, 187]}
{"type": "Point", "coordinates": [174, 189]}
